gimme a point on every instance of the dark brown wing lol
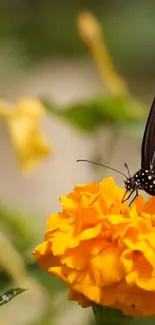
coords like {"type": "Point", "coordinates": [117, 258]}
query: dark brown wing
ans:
{"type": "Point", "coordinates": [148, 143]}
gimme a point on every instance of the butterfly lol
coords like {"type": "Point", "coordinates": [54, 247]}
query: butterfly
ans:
{"type": "Point", "coordinates": [144, 178]}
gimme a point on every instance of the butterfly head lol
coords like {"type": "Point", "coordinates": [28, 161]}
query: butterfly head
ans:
{"type": "Point", "coordinates": [131, 184]}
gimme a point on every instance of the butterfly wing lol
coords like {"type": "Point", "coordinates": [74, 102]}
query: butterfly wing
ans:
{"type": "Point", "coordinates": [148, 143]}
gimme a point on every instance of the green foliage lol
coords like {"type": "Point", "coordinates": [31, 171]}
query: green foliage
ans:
{"type": "Point", "coordinates": [10, 294]}
{"type": "Point", "coordinates": [19, 228]}
{"type": "Point", "coordinates": [109, 316]}
{"type": "Point", "coordinates": [51, 283]}
{"type": "Point", "coordinates": [143, 321]}
{"type": "Point", "coordinates": [20, 233]}
{"type": "Point", "coordinates": [104, 313]}
{"type": "Point", "coordinates": [39, 29]}
{"type": "Point", "coordinates": [89, 115]}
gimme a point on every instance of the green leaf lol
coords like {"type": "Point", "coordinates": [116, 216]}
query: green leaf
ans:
{"type": "Point", "coordinates": [109, 316]}
{"type": "Point", "coordinates": [81, 115]}
{"type": "Point", "coordinates": [121, 110]}
{"type": "Point", "coordinates": [10, 294]}
{"type": "Point", "coordinates": [90, 115]}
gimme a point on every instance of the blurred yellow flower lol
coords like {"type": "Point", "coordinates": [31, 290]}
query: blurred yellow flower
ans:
{"type": "Point", "coordinates": [102, 249]}
{"type": "Point", "coordinates": [91, 33]}
{"type": "Point", "coordinates": [23, 119]}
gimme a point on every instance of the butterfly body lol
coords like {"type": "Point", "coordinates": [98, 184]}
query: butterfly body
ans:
{"type": "Point", "coordinates": [144, 180]}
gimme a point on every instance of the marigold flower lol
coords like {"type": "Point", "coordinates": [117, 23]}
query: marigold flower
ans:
{"type": "Point", "coordinates": [103, 249]}
{"type": "Point", "coordinates": [23, 119]}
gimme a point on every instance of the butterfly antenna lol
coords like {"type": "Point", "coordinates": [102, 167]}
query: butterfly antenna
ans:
{"type": "Point", "coordinates": [126, 166]}
{"type": "Point", "coordinates": [98, 164]}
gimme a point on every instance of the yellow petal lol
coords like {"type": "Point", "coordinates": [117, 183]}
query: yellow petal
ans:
{"type": "Point", "coordinates": [102, 249]}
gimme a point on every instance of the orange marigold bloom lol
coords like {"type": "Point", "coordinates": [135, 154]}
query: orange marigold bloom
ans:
{"type": "Point", "coordinates": [104, 250]}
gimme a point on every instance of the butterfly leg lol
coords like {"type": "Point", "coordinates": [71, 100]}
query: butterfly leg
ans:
{"type": "Point", "coordinates": [123, 198]}
{"type": "Point", "coordinates": [134, 197]}
{"type": "Point", "coordinates": [127, 198]}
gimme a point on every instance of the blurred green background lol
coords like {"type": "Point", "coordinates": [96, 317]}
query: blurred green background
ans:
{"type": "Point", "coordinates": [33, 31]}
{"type": "Point", "coordinates": [42, 56]}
